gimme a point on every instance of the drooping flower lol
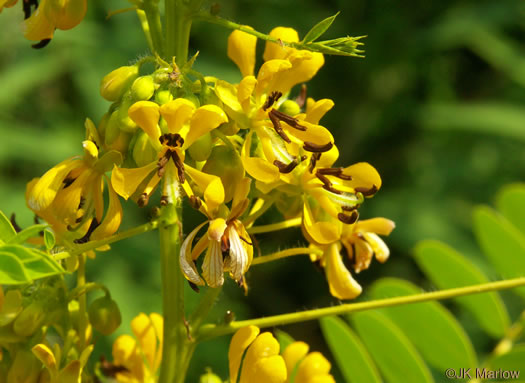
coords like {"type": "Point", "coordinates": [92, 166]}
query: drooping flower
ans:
{"type": "Point", "coordinates": [185, 124]}
{"type": "Point", "coordinates": [51, 15]}
{"type": "Point", "coordinates": [261, 361]}
{"type": "Point", "coordinates": [362, 243]}
{"type": "Point", "coordinates": [70, 196]}
{"type": "Point", "coordinates": [225, 234]}
{"type": "Point", "coordinates": [136, 360]}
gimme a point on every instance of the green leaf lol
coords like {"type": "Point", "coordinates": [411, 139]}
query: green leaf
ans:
{"type": "Point", "coordinates": [284, 339]}
{"type": "Point", "coordinates": [395, 356]}
{"type": "Point", "coordinates": [446, 268]}
{"type": "Point", "coordinates": [501, 242]}
{"type": "Point", "coordinates": [512, 360]}
{"type": "Point", "coordinates": [510, 201]}
{"type": "Point", "coordinates": [49, 239]}
{"type": "Point", "coordinates": [431, 328]}
{"type": "Point", "coordinates": [319, 29]}
{"type": "Point", "coordinates": [351, 356]}
{"type": "Point", "coordinates": [7, 231]}
{"type": "Point", "coordinates": [28, 232]}
{"type": "Point", "coordinates": [35, 264]}
{"type": "Point", "coordinates": [11, 270]}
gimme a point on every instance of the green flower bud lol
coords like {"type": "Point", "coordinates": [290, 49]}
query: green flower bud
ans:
{"type": "Point", "coordinates": [209, 97]}
{"type": "Point", "coordinates": [290, 108]}
{"type": "Point", "coordinates": [163, 96]}
{"type": "Point", "coordinates": [210, 377]}
{"type": "Point", "coordinates": [112, 129]}
{"type": "Point", "coordinates": [143, 88]}
{"type": "Point", "coordinates": [29, 319]}
{"type": "Point", "coordinates": [126, 124]}
{"type": "Point", "coordinates": [225, 163]}
{"type": "Point", "coordinates": [115, 83]}
{"type": "Point", "coordinates": [143, 152]}
{"type": "Point", "coordinates": [191, 97]}
{"type": "Point", "coordinates": [200, 150]}
{"type": "Point", "coordinates": [104, 315]}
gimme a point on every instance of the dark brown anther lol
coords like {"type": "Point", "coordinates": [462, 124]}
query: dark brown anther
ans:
{"type": "Point", "coordinates": [26, 7]}
{"type": "Point", "coordinates": [194, 287]}
{"type": "Point", "coordinates": [41, 44]}
{"type": "Point", "coordinates": [293, 122]}
{"type": "Point", "coordinates": [272, 99]}
{"type": "Point", "coordinates": [246, 241]}
{"type": "Point", "coordinates": [303, 158]}
{"type": "Point", "coordinates": [349, 208]}
{"type": "Point", "coordinates": [348, 218]}
{"type": "Point", "coordinates": [164, 200]}
{"type": "Point", "coordinates": [337, 172]}
{"type": "Point", "coordinates": [81, 203]}
{"type": "Point", "coordinates": [79, 219]}
{"type": "Point", "coordinates": [179, 165]}
{"type": "Point", "coordinates": [367, 192]}
{"type": "Point", "coordinates": [15, 225]}
{"type": "Point", "coordinates": [313, 161]}
{"type": "Point", "coordinates": [301, 99]}
{"type": "Point", "coordinates": [110, 369]}
{"type": "Point", "coordinates": [331, 189]}
{"type": "Point", "coordinates": [143, 200]}
{"type": "Point", "coordinates": [324, 179]}
{"type": "Point", "coordinates": [311, 147]}
{"type": "Point", "coordinates": [284, 168]}
{"type": "Point", "coordinates": [277, 126]}
{"type": "Point", "coordinates": [195, 202]}
{"type": "Point", "coordinates": [36, 219]}
{"type": "Point", "coordinates": [68, 181]}
{"type": "Point", "coordinates": [92, 226]}
{"type": "Point", "coordinates": [161, 164]}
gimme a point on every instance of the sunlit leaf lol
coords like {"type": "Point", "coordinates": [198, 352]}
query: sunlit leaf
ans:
{"type": "Point", "coordinates": [446, 268]}
{"type": "Point", "coordinates": [432, 329]}
{"type": "Point", "coordinates": [28, 232]}
{"type": "Point", "coordinates": [501, 242]}
{"type": "Point", "coordinates": [49, 239]}
{"type": "Point", "coordinates": [351, 356]}
{"type": "Point", "coordinates": [35, 264]}
{"type": "Point", "coordinates": [11, 270]}
{"type": "Point", "coordinates": [319, 29]}
{"type": "Point", "coordinates": [511, 203]}
{"type": "Point", "coordinates": [7, 231]}
{"type": "Point", "coordinates": [395, 356]}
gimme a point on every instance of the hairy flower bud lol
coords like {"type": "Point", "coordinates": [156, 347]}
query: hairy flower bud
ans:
{"type": "Point", "coordinates": [143, 152]}
{"type": "Point", "coordinates": [104, 315]}
{"type": "Point", "coordinates": [200, 150]}
{"type": "Point", "coordinates": [163, 96]}
{"type": "Point", "coordinates": [225, 163]}
{"type": "Point", "coordinates": [290, 108]}
{"type": "Point", "coordinates": [115, 83]}
{"type": "Point", "coordinates": [143, 88]}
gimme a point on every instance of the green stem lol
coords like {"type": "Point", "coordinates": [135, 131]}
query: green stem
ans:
{"type": "Point", "coordinates": [106, 241]}
{"type": "Point", "coordinates": [211, 331]}
{"type": "Point", "coordinates": [275, 226]}
{"type": "Point", "coordinates": [178, 27]}
{"type": "Point", "coordinates": [82, 290]}
{"type": "Point", "coordinates": [175, 344]}
{"type": "Point", "coordinates": [284, 254]}
{"type": "Point", "coordinates": [145, 28]}
{"type": "Point", "coordinates": [204, 307]}
{"type": "Point", "coordinates": [82, 302]}
{"type": "Point", "coordinates": [151, 8]}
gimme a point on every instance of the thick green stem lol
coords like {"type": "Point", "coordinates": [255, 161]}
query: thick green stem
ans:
{"type": "Point", "coordinates": [178, 27]}
{"type": "Point", "coordinates": [151, 8]}
{"type": "Point", "coordinates": [211, 331]}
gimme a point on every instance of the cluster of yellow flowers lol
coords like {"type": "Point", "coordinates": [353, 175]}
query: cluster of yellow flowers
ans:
{"type": "Point", "coordinates": [232, 150]}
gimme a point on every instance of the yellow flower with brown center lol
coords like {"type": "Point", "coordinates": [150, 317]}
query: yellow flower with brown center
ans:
{"type": "Point", "coordinates": [261, 362]}
{"type": "Point", "coordinates": [70, 196]}
{"type": "Point", "coordinates": [185, 125]}
{"type": "Point", "coordinates": [361, 242]}
{"type": "Point", "coordinates": [225, 235]}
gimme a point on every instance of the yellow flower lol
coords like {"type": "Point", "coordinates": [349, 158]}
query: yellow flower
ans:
{"type": "Point", "coordinates": [225, 233]}
{"type": "Point", "coordinates": [51, 15]}
{"type": "Point", "coordinates": [139, 358]}
{"type": "Point", "coordinates": [261, 362]}
{"type": "Point", "coordinates": [7, 4]}
{"type": "Point", "coordinates": [361, 242]}
{"type": "Point", "coordinates": [185, 125]}
{"type": "Point", "coordinates": [70, 197]}
{"type": "Point", "coordinates": [70, 373]}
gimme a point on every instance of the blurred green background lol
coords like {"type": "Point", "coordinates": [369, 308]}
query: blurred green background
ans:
{"type": "Point", "coordinates": [437, 106]}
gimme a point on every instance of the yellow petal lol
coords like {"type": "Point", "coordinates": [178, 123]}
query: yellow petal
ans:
{"type": "Point", "coordinates": [204, 120]}
{"type": "Point", "coordinates": [238, 256]}
{"type": "Point", "coordinates": [267, 370]}
{"type": "Point", "coordinates": [241, 50]}
{"type": "Point", "coordinates": [146, 115]}
{"type": "Point", "coordinates": [379, 247]}
{"type": "Point", "coordinates": [277, 51]}
{"type": "Point", "coordinates": [379, 225]}
{"type": "Point", "coordinates": [227, 93]}
{"type": "Point", "coordinates": [316, 111]}
{"type": "Point", "coordinates": [328, 158]}
{"type": "Point", "coordinates": [45, 189]}
{"type": "Point", "coordinates": [70, 373]}
{"type": "Point", "coordinates": [90, 152]}
{"type": "Point", "coordinates": [294, 353]}
{"type": "Point", "coordinates": [258, 168]}
{"type": "Point", "coordinates": [216, 229]}
{"type": "Point", "coordinates": [362, 255]}
{"type": "Point", "coordinates": [67, 14]}
{"type": "Point", "coordinates": [126, 181]}
{"type": "Point", "coordinates": [314, 133]}
{"type": "Point", "coordinates": [213, 266]}
{"type": "Point", "coordinates": [255, 369]}
{"type": "Point", "coordinates": [126, 353]}
{"type": "Point", "coordinates": [46, 356]}
{"type": "Point", "coordinates": [270, 76]}
{"type": "Point", "coordinates": [322, 232]}
{"type": "Point", "coordinates": [113, 217]}
{"type": "Point", "coordinates": [211, 185]}
{"type": "Point", "coordinates": [305, 66]}
{"type": "Point", "coordinates": [67, 200]}
{"type": "Point", "coordinates": [315, 364]}
{"type": "Point", "coordinates": [38, 26]}
{"type": "Point", "coordinates": [245, 92]}
{"type": "Point", "coordinates": [239, 197]}
{"type": "Point", "coordinates": [239, 343]}
{"type": "Point", "coordinates": [177, 113]}
{"type": "Point", "coordinates": [146, 336]}
{"type": "Point", "coordinates": [158, 323]}
{"type": "Point", "coordinates": [341, 283]}
{"type": "Point", "coordinates": [363, 175]}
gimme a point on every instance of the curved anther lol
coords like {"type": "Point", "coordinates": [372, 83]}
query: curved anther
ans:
{"type": "Point", "coordinates": [272, 99]}
{"type": "Point", "coordinates": [348, 218]}
{"type": "Point", "coordinates": [367, 192]}
{"type": "Point", "coordinates": [285, 168]}
{"type": "Point", "coordinates": [195, 202]}
{"type": "Point", "coordinates": [312, 147]}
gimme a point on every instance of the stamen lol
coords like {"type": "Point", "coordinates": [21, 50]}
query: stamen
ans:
{"type": "Point", "coordinates": [143, 200]}
{"type": "Point", "coordinates": [338, 172]}
{"type": "Point", "coordinates": [68, 181]}
{"type": "Point", "coordinates": [26, 7]}
{"type": "Point", "coordinates": [272, 98]}
{"type": "Point", "coordinates": [15, 225]}
{"type": "Point", "coordinates": [194, 287]}
{"type": "Point", "coordinates": [92, 226]}
{"type": "Point", "coordinates": [367, 192]}
{"type": "Point", "coordinates": [348, 219]}
{"type": "Point", "coordinates": [293, 122]}
{"type": "Point", "coordinates": [110, 369]}
{"type": "Point", "coordinates": [277, 126]}
{"type": "Point", "coordinates": [312, 147]}
{"type": "Point", "coordinates": [349, 208]}
{"type": "Point", "coordinates": [284, 168]}
{"type": "Point", "coordinates": [301, 99]}
{"type": "Point", "coordinates": [178, 164]}
{"type": "Point", "coordinates": [164, 200]}
{"type": "Point", "coordinates": [331, 189]}
{"type": "Point", "coordinates": [172, 140]}
{"type": "Point", "coordinates": [81, 203]}
{"type": "Point", "coordinates": [195, 202]}
{"type": "Point", "coordinates": [161, 164]}
{"type": "Point", "coordinates": [41, 44]}
{"type": "Point", "coordinates": [313, 160]}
